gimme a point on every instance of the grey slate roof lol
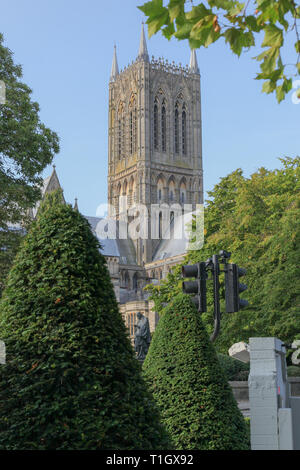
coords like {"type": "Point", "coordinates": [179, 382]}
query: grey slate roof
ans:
{"type": "Point", "coordinates": [178, 245]}
{"type": "Point", "coordinates": [109, 246]}
{"type": "Point", "coordinates": [124, 249]}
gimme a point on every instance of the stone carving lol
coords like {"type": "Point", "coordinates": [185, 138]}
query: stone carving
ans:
{"type": "Point", "coordinates": [142, 337]}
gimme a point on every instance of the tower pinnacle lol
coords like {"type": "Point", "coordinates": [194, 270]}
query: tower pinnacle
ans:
{"type": "Point", "coordinates": [193, 62]}
{"type": "Point", "coordinates": [114, 68]}
{"type": "Point", "coordinates": [143, 51]}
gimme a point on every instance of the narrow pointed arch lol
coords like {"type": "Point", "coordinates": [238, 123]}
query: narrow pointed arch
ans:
{"type": "Point", "coordinates": [120, 130]}
{"type": "Point", "coordinates": [183, 130]}
{"type": "Point", "coordinates": [176, 127]}
{"type": "Point", "coordinates": [163, 126]}
{"type": "Point", "coordinates": [133, 123]}
{"type": "Point", "coordinates": [155, 123]}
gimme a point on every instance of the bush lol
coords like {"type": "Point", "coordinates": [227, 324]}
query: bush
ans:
{"type": "Point", "coordinates": [71, 379]}
{"type": "Point", "coordinates": [234, 369]}
{"type": "Point", "coordinates": [196, 402]}
{"type": "Point", "coordinates": [293, 371]}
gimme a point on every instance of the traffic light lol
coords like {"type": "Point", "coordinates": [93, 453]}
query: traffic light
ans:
{"type": "Point", "coordinates": [233, 288]}
{"type": "Point", "coordinates": [197, 287]}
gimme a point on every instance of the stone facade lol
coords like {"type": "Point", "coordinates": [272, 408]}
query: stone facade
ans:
{"type": "Point", "coordinates": [155, 143]}
{"type": "Point", "coordinates": [154, 158]}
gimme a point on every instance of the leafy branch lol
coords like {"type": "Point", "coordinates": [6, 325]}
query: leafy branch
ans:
{"type": "Point", "coordinates": [240, 25]}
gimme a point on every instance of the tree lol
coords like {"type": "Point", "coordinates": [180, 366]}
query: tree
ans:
{"type": "Point", "coordinates": [71, 380]}
{"type": "Point", "coordinates": [258, 220]}
{"type": "Point", "coordinates": [196, 402]}
{"type": "Point", "coordinates": [241, 26]}
{"type": "Point", "coordinates": [27, 146]}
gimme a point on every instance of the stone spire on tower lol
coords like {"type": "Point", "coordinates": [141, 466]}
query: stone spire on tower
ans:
{"type": "Point", "coordinates": [143, 51]}
{"type": "Point", "coordinates": [114, 68]}
{"type": "Point", "coordinates": [193, 62]}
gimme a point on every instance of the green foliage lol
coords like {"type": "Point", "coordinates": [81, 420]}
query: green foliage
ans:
{"type": "Point", "coordinates": [248, 424]}
{"type": "Point", "coordinates": [258, 220]}
{"type": "Point", "coordinates": [9, 244]}
{"type": "Point", "coordinates": [71, 379]}
{"type": "Point", "coordinates": [293, 371]}
{"type": "Point", "coordinates": [241, 25]}
{"type": "Point", "coordinates": [196, 402]}
{"type": "Point", "coordinates": [234, 369]}
{"type": "Point", "coordinates": [27, 146]}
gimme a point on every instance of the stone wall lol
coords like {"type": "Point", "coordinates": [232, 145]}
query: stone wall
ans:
{"type": "Point", "coordinates": [241, 393]}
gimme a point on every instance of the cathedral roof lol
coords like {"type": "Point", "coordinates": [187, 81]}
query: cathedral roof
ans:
{"type": "Point", "coordinates": [51, 183]}
{"type": "Point", "coordinates": [122, 248]}
{"type": "Point", "coordinates": [109, 247]}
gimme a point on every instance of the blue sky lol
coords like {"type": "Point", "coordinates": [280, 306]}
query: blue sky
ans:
{"type": "Point", "coordinates": [66, 49]}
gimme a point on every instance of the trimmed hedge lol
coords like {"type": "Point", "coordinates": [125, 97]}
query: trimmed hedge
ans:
{"type": "Point", "coordinates": [196, 402]}
{"type": "Point", "coordinates": [71, 379]}
{"type": "Point", "coordinates": [234, 369]}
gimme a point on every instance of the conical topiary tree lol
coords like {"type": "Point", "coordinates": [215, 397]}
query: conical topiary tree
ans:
{"type": "Point", "coordinates": [71, 379]}
{"type": "Point", "coordinates": [196, 402]}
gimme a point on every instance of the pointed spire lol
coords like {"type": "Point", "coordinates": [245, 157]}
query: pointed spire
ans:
{"type": "Point", "coordinates": [76, 204]}
{"type": "Point", "coordinates": [114, 68]}
{"type": "Point", "coordinates": [193, 62]}
{"type": "Point", "coordinates": [143, 51]}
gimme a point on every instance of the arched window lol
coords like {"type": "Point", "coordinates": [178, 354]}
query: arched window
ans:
{"type": "Point", "coordinates": [127, 280]}
{"type": "Point", "coordinates": [176, 129]}
{"type": "Point", "coordinates": [121, 131]}
{"type": "Point", "coordinates": [134, 130]}
{"type": "Point", "coordinates": [155, 124]}
{"type": "Point", "coordinates": [135, 281]}
{"type": "Point", "coordinates": [172, 225]}
{"type": "Point", "coordinates": [120, 138]}
{"type": "Point", "coordinates": [183, 192]}
{"type": "Point", "coordinates": [160, 225]}
{"type": "Point", "coordinates": [183, 122]}
{"type": "Point", "coordinates": [163, 127]}
{"type": "Point", "coordinates": [131, 132]}
{"type": "Point", "coordinates": [131, 321]}
{"type": "Point", "coordinates": [133, 125]}
{"type": "Point", "coordinates": [171, 191]}
{"type": "Point", "coordinates": [160, 187]}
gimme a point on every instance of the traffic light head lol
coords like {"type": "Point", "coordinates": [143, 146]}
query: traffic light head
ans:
{"type": "Point", "coordinates": [197, 287]}
{"type": "Point", "coordinates": [233, 288]}
{"type": "Point", "coordinates": [190, 270]}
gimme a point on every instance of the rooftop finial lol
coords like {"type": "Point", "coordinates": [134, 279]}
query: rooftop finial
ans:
{"type": "Point", "coordinates": [76, 204]}
{"type": "Point", "coordinates": [143, 51]}
{"type": "Point", "coordinates": [193, 62]}
{"type": "Point", "coordinates": [114, 68]}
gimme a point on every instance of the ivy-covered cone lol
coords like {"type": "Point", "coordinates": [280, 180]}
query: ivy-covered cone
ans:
{"type": "Point", "coordinates": [71, 379]}
{"type": "Point", "coordinates": [196, 402]}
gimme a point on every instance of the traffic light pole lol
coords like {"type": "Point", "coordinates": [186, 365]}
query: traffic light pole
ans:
{"type": "Point", "coordinates": [232, 286]}
{"type": "Point", "coordinates": [217, 313]}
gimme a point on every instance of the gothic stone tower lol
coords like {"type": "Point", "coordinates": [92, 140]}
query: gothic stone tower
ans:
{"type": "Point", "coordinates": [155, 142]}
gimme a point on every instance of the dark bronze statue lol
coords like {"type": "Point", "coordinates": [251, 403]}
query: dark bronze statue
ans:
{"type": "Point", "coordinates": [142, 337]}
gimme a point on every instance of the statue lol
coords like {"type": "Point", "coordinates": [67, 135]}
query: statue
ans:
{"type": "Point", "coordinates": [142, 337]}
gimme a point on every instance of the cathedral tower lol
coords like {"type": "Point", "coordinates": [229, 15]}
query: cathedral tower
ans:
{"type": "Point", "coordinates": [155, 142]}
